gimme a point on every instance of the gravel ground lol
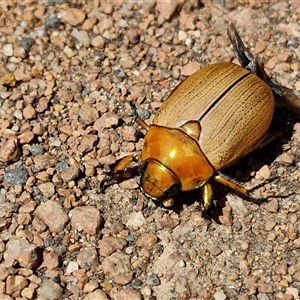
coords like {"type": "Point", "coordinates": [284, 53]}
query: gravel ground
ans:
{"type": "Point", "coordinates": [68, 71]}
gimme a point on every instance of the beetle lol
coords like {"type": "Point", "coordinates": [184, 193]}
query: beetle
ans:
{"type": "Point", "coordinates": [211, 120]}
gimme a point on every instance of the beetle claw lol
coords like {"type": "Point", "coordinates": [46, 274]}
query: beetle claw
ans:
{"type": "Point", "coordinates": [104, 184]}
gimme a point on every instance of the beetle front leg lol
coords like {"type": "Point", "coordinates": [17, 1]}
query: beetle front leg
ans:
{"type": "Point", "coordinates": [223, 179]}
{"type": "Point", "coordinates": [119, 172]}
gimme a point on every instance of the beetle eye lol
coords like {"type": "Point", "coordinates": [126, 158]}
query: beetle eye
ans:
{"type": "Point", "coordinates": [173, 190]}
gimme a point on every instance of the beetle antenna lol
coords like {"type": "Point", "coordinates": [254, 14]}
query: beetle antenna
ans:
{"type": "Point", "coordinates": [133, 109]}
{"type": "Point", "coordinates": [138, 119]}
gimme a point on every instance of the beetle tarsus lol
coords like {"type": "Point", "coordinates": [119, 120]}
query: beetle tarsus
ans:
{"type": "Point", "coordinates": [263, 183]}
{"type": "Point", "coordinates": [105, 184]}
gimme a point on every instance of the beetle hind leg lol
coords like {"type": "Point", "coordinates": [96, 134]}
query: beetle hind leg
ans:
{"type": "Point", "coordinates": [223, 179]}
{"type": "Point", "coordinates": [244, 56]}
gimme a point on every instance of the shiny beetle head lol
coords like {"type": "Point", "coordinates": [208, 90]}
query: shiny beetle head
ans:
{"type": "Point", "coordinates": [164, 184]}
{"type": "Point", "coordinates": [172, 161]}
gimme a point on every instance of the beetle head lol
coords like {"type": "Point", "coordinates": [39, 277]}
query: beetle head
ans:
{"type": "Point", "coordinates": [157, 181]}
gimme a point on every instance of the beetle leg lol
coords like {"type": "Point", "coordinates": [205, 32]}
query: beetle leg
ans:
{"type": "Point", "coordinates": [123, 164]}
{"type": "Point", "coordinates": [286, 99]}
{"type": "Point", "coordinates": [223, 179]}
{"type": "Point", "coordinates": [207, 195]}
{"type": "Point", "coordinates": [244, 56]}
{"type": "Point", "coordinates": [119, 172]}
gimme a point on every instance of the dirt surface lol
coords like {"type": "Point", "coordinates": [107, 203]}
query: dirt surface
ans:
{"type": "Point", "coordinates": [68, 72]}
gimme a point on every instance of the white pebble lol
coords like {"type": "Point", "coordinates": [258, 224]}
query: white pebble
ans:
{"type": "Point", "coordinates": [69, 52]}
{"type": "Point", "coordinates": [122, 23]}
{"type": "Point", "coordinates": [81, 36]}
{"type": "Point", "coordinates": [56, 143]}
{"type": "Point", "coordinates": [219, 295]}
{"type": "Point", "coordinates": [18, 114]}
{"type": "Point", "coordinates": [11, 67]}
{"type": "Point", "coordinates": [8, 50]}
{"type": "Point", "coordinates": [72, 266]}
{"type": "Point", "coordinates": [188, 41]}
{"type": "Point", "coordinates": [182, 35]}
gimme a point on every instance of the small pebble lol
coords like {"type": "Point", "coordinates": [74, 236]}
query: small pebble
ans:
{"type": "Point", "coordinates": [8, 49]}
{"type": "Point", "coordinates": [136, 220]}
{"type": "Point", "coordinates": [118, 267]}
{"type": "Point", "coordinates": [155, 280]}
{"type": "Point", "coordinates": [23, 252]}
{"type": "Point", "coordinates": [166, 9]}
{"type": "Point", "coordinates": [72, 16]}
{"type": "Point", "coordinates": [98, 42]}
{"type": "Point", "coordinates": [190, 68]}
{"type": "Point", "coordinates": [90, 286]}
{"type": "Point", "coordinates": [220, 295]}
{"type": "Point", "coordinates": [50, 290]}
{"type": "Point", "coordinates": [86, 218]}
{"type": "Point", "coordinates": [18, 175]}
{"type": "Point", "coordinates": [47, 189]}
{"type": "Point", "coordinates": [272, 206]}
{"type": "Point", "coordinates": [10, 152]}
{"type": "Point", "coordinates": [81, 36]}
{"type": "Point", "coordinates": [52, 21]}
{"type": "Point", "coordinates": [36, 149]}
{"type": "Point", "coordinates": [270, 225]}
{"type": "Point", "coordinates": [15, 285]}
{"type": "Point", "coordinates": [147, 240]}
{"type": "Point", "coordinates": [265, 288]}
{"type": "Point", "coordinates": [52, 214]}
{"type": "Point", "coordinates": [26, 43]}
{"type": "Point", "coordinates": [72, 266]}
{"type": "Point", "coordinates": [282, 269]}
{"type": "Point", "coordinates": [97, 294]}
{"type": "Point", "coordinates": [71, 173]}
{"type": "Point", "coordinates": [88, 258]}
{"type": "Point", "coordinates": [88, 114]}
{"type": "Point", "coordinates": [111, 244]}
{"type": "Point", "coordinates": [285, 159]}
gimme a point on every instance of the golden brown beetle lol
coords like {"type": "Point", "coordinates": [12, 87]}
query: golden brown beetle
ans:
{"type": "Point", "coordinates": [211, 120]}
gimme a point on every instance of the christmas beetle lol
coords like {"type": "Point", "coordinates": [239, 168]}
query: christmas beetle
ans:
{"type": "Point", "coordinates": [210, 121]}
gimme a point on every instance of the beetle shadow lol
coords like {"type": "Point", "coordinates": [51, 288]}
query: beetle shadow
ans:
{"type": "Point", "coordinates": [216, 210]}
{"type": "Point", "coordinates": [190, 198]}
